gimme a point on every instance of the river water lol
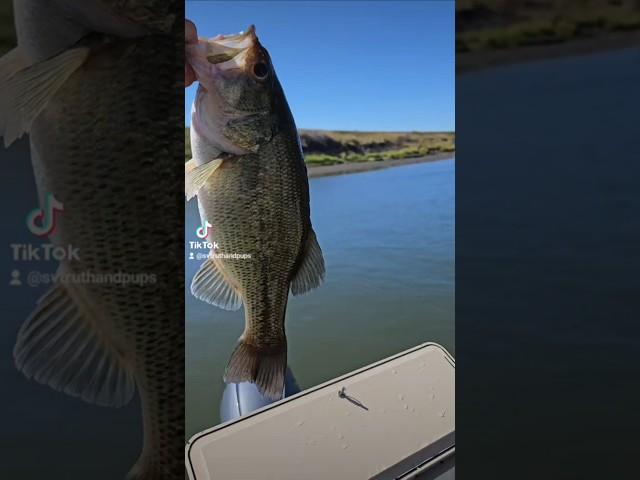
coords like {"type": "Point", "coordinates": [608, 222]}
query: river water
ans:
{"type": "Point", "coordinates": [388, 243]}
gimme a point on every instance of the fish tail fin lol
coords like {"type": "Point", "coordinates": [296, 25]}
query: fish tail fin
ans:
{"type": "Point", "coordinates": [265, 368]}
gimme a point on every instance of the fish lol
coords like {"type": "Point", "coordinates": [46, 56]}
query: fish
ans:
{"type": "Point", "coordinates": [250, 180]}
{"type": "Point", "coordinates": [97, 85]}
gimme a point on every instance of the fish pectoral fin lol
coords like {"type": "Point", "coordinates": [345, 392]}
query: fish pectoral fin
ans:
{"type": "Point", "coordinates": [210, 285]}
{"type": "Point", "coordinates": [311, 271]}
{"type": "Point", "coordinates": [196, 176]}
{"type": "Point", "coordinates": [59, 346]}
{"type": "Point", "coordinates": [25, 92]}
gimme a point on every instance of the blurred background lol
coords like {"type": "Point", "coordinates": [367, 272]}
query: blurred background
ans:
{"type": "Point", "coordinates": [7, 30]}
{"type": "Point", "coordinates": [546, 238]}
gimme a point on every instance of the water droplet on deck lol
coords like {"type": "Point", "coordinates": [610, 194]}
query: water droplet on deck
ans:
{"type": "Point", "coordinates": [340, 436]}
{"type": "Point", "coordinates": [394, 371]}
{"type": "Point", "coordinates": [413, 409]}
{"type": "Point", "coordinates": [443, 413]}
{"type": "Point", "coordinates": [400, 397]}
{"type": "Point", "coordinates": [405, 406]}
{"type": "Point", "coordinates": [300, 423]}
{"type": "Point", "coordinates": [433, 396]}
{"type": "Point", "coordinates": [345, 446]}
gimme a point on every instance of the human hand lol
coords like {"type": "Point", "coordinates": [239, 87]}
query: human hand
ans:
{"type": "Point", "coordinates": [190, 36]}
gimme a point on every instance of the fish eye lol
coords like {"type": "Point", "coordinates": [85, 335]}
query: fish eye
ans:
{"type": "Point", "coordinates": [261, 70]}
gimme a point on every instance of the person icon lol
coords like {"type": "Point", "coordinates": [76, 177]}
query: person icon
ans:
{"type": "Point", "coordinates": [15, 279]}
{"type": "Point", "coordinates": [190, 255]}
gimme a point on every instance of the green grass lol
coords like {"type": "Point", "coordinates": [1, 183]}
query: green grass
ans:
{"type": "Point", "coordinates": [486, 25]}
{"type": "Point", "coordinates": [322, 159]}
{"type": "Point", "coordinates": [323, 147]}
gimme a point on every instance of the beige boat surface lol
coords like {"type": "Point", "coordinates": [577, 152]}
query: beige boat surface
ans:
{"type": "Point", "coordinates": [394, 419]}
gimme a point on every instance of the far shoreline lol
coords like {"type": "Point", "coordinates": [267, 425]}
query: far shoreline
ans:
{"type": "Point", "coordinates": [358, 167]}
{"type": "Point", "coordinates": [471, 62]}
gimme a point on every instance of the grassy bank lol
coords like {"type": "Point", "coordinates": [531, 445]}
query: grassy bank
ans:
{"type": "Point", "coordinates": [322, 147]}
{"type": "Point", "coordinates": [490, 25]}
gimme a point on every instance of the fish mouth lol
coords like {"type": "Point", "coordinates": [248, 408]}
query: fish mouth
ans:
{"type": "Point", "coordinates": [229, 56]}
{"type": "Point", "coordinates": [239, 40]}
{"type": "Point", "coordinates": [232, 51]}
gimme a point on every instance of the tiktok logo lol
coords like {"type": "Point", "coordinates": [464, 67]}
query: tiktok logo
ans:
{"type": "Point", "coordinates": [42, 222]}
{"type": "Point", "coordinates": [203, 230]}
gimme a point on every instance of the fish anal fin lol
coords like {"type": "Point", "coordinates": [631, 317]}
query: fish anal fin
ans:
{"type": "Point", "coordinates": [211, 285]}
{"type": "Point", "coordinates": [25, 92]}
{"type": "Point", "coordinates": [310, 273]}
{"type": "Point", "coordinates": [59, 346]}
{"type": "Point", "coordinates": [195, 176]}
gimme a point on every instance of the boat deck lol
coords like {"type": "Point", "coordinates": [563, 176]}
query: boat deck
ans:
{"type": "Point", "coordinates": [394, 419]}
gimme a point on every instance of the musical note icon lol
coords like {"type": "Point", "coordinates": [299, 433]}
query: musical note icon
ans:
{"type": "Point", "coordinates": [203, 231]}
{"type": "Point", "coordinates": [42, 222]}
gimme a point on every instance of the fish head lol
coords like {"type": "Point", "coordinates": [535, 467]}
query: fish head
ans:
{"type": "Point", "coordinates": [237, 73]}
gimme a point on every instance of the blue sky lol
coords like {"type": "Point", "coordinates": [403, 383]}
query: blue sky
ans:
{"type": "Point", "coordinates": [380, 65]}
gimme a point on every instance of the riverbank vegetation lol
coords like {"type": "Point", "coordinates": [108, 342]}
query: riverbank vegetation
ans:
{"type": "Point", "coordinates": [323, 147]}
{"type": "Point", "coordinates": [489, 25]}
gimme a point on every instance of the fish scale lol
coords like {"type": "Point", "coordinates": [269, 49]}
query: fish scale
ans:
{"type": "Point", "coordinates": [106, 146]}
{"type": "Point", "coordinates": [266, 223]}
{"type": "Point", "coordinates": [145, 324]}
{"type": "Point", "coordinates": [257, 201]}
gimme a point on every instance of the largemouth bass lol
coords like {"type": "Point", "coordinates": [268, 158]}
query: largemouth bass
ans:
{"type": "Point", "coordinates": [250, 178]}
{"type": "Point", "coordinates": [98, 86]}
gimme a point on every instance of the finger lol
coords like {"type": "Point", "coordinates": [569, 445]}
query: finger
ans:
{"type": "Point", "coordinates": [190, 32]}
{"type": "Point", "coordinates": [190, 36]}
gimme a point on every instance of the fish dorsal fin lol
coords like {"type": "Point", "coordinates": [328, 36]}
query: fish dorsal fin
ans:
{"type": "Point", "coordinates": [25, 93]}
{"type": "Point", "coordinates": [310, 274]}
{"type": "Point", "coordinates": [210, 285]}
{"type": "Point", "coordinates": [59, 346]}
{"type": "Point", "coordinates": [196, 175]}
